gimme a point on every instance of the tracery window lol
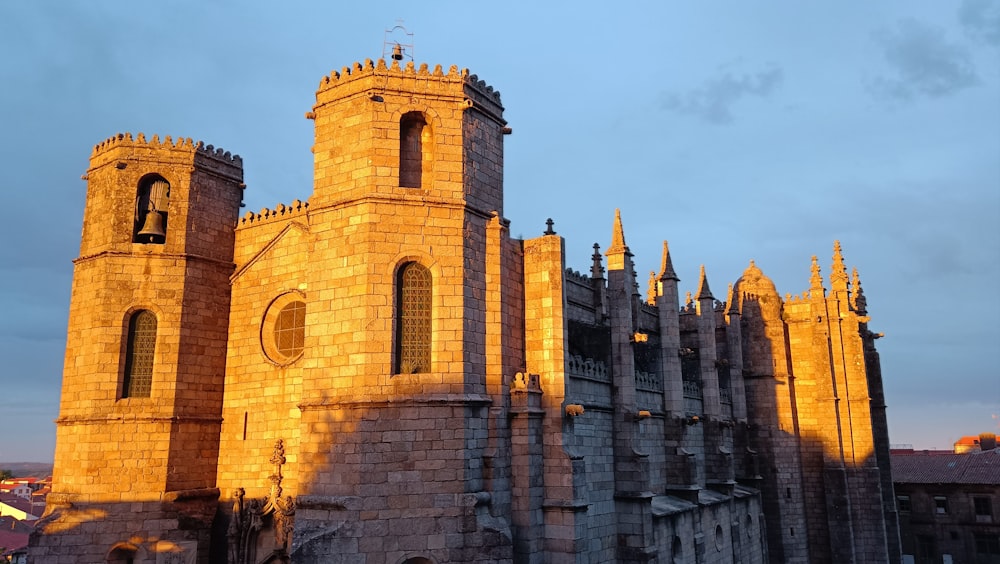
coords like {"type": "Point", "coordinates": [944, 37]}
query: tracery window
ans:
{"type": "Point", "coordinates": [283, 331]}
{"type": "Point", "coordinates": [139, 350]}
{"type": "Point", "coordinates": [413, 319]}
{"type": "Point", "coordinates": [290, 329]}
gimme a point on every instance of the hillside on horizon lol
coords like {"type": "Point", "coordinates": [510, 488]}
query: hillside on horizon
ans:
{"type": "Point", "coordinates": [24, 469]}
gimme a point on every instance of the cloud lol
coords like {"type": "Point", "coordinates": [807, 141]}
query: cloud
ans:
{"type": "Point", "coordinates": [713, 100]}
{"type": "Point", "coordinates": [981, 20]}
{"type": "Point", "coordinates": [922, 62]}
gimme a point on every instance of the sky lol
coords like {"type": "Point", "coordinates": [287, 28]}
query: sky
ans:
{"type": "Point", "coordinates": [734, 130]}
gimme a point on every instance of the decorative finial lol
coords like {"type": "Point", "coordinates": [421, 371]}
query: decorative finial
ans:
{"type": "Point", "coordinates": [703, 292]}
{"type": "Point", "coordinates": [548, 227]}
{"type": "Point", "coordinates": [816, 280]}
{"type": "Point", "coordinates": [596, 268]}
{"type": "Point", "coordinates": [687, 300]}
{"type": "Point", "coordinates": [653, 290]}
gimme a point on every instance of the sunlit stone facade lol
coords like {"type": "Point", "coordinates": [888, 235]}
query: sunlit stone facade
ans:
{"type": "Point", "coordinates": [381, 374]}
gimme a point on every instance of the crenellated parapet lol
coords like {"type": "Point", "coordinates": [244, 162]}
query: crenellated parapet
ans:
{"type": "Point", "coordinates": [280, 211]}
{"type": "Point", "coordinates": [377, 78]}
{"type": "Point", "coordinates": [124, 146]}
{"type": "Point", "coordinates": [575, 276]}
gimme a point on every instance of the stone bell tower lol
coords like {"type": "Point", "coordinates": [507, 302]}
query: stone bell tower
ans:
{"type": "Point", "coordinates": [138, 427]}
{"type": "Point", "coordinates": [405, 222]}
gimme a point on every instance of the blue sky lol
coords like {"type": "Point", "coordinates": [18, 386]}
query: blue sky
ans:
{"type": "Point", "coordinates": [734, 130]}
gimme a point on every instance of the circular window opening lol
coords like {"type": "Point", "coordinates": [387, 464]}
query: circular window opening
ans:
{"type": "Point", "coordinates": [284, 330]}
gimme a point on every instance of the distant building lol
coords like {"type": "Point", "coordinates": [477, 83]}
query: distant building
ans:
{"type": "Point", "coordinates": [976, 443]}
{"type": "Point", "coordinates": [19, 489]}
{"type": "Point", "coordinates": [14, 540]}
{"type": "Point", "coordinates": [19, 508]}
{"type": "Point", "coordinates": [949, 505]}
{"type": "Point", "coordinates": [383, 374]}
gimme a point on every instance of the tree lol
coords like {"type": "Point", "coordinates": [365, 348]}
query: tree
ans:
{"type": "Point", "coordinates": [6, 474]}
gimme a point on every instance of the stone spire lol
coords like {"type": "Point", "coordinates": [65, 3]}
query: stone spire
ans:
{"type": "Point", "coordinates": [619, 256]}
{"type": "Point", "coordinates": [667, 265]}
{"type": "Point", "coordinates": [860, 303]}
{"type": "Point", "coordinates": [816, 280]}
{"type": "Point", "coordinates": [838, 273]}
{"type": "Point", "coordinates": [704, 293]}
{"type": "Point", "coordinates": [732, 301]}
{"type": "Point", "coordinates": [617, 235]}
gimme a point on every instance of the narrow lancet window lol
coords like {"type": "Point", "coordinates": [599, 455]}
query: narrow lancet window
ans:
{"type": "Point", "coordinates": [139, 350]}
{"type": "Point", "coordinates": [413, 319]}
{"type": "Point", "coordinates": [411, 150]}
{"type": "Point", "coordinates": [151, 211]}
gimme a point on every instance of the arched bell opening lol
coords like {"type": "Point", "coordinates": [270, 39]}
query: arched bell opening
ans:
{"type": "Point", "coordinates": [151, 210]}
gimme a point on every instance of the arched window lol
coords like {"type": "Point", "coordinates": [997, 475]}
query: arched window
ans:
{"type": "Point", "coordinates": [412, 130]}
{"type": "Point", "coordinates": [151, 211]}
{"type": "Point", "coordinates": [139, 351]}
{"type": "Point", "coordinates": [122, 553]}
{"type": "Point", "coordinates": [413, 319]}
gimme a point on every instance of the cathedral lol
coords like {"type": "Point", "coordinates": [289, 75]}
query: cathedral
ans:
{"type": "Point", "coordinates": [381, 374]}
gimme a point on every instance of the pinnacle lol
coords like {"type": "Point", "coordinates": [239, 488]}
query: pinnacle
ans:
{"type": "Point", "coordinates": [596, 268]}
{"type": "Point", "coordinates": [667, 265]}
{"type": "Point", "coordinates": [734, 305]}
{"type": "Point", "coordinates": [704, 293]}
{"type": "Point", "coordinates": [816, 280]}
{"type": "Point", "coordinates": [860, 302]}
{"type": "Point", "coordinates": [838, 273]}
{"type": "Point", "coordinates": [617, 236]}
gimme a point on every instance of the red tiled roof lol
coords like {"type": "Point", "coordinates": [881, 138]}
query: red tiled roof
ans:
{"type": "Point", "coordinates": [11, 541]}
{"type": "Point", "coordinates": [971, 468]}
{"type": "Point", "coordinates": [21, 504]}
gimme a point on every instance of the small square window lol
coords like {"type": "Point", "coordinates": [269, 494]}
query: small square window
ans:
{"type": "Point", "coordinates": [903, 503]}
{"type": "Point", "coordinates": [940, 505]}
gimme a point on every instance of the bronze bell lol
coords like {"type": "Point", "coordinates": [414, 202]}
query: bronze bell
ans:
{"type": "Point", "coordinates": [397, 52]}
{"type": "Point", "coordinates": [153, 226]}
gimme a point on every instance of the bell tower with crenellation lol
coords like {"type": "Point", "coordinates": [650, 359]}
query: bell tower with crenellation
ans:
{"type": "Point", "coordinates": [395, 390]}
{"type": "Point", "coordinates": [138, 427]}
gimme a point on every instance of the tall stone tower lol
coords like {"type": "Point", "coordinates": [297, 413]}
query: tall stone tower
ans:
{"type": "Point", "coordinates": [395, 266]}
{"type": "Point", "coordinates": [138, 427]}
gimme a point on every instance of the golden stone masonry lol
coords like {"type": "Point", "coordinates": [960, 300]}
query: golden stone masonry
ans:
{"type": "Point", "coordinates": [381, 374]}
